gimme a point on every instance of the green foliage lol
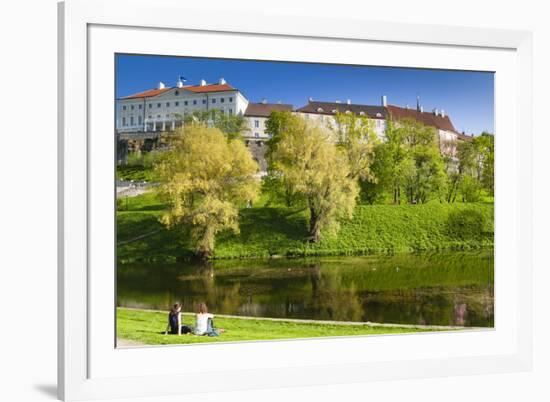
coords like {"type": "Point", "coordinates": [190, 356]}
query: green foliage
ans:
{"type": "Point", "coordinates": [408, 165]}
{"type": "Point", "coordinates": [266, 232]}
{"type": "Point", "coordinates": [356, 136]}
{"type": "Point", "coordinates": [134, 172]}
{"type": "Point", "coordinates": [203, 178]}
{"type": "Point", "coordinates": [148, 327]}
{"type": "Point", "coordinates": [486, 145]}
{"type": "Point", "coordinates": [466, 224]}
{"type": "Point", "coordinates": [306, 160]}
{"type": "Point", "coordinates": [230, 124]}
{"type": "Point", "coordinates": [470, 189]}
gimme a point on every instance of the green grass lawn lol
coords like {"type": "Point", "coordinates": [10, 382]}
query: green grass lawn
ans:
{"type": "Point", "coordinates": [148, 327]}
{"type": "Point", "coordinates": [280, 231]}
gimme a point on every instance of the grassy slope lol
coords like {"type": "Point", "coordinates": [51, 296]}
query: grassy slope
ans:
{"type": "Point", "coordinates": [282, 231]}
{"type": "Point", "coordinates": [148, 327]}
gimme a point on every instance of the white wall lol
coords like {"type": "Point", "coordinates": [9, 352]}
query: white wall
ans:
{"type": "Point", "coordinates": [162, 108]}
{"type": "Point", "coordinates": [28, 203]}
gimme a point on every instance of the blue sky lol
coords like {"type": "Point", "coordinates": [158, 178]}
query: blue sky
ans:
{"type": "Point", "coordinates": [466, 96]}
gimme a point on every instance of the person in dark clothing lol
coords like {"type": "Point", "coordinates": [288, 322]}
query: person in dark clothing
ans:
{"type": "Point", "coordinates": [174, 326]}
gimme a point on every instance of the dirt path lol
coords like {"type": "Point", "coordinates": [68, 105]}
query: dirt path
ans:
{"type": "Point", "coordinates": [126, 343]}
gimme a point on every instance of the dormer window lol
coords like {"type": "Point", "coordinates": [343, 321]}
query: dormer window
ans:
{"type": "Point", "coordinates": [378, 114]}
{"type": "Point", "coordinates": [177, 92]}
{"type": "Point", "coordinates": [333, 110]}
{"type": "Point", "coordinates": [362, 113]}
{"type": "Point", "coordinates": [348, 112]}
{"type": "Point", "coordinates": [320, 110]}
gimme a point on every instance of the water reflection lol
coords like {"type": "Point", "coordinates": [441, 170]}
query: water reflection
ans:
{"type": "Point", "coordinates": [454, 288]}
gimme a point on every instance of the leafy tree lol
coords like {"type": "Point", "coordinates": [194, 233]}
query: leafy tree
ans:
{"type": "Point", "coordinates": [204, 176]}
{"type": "Point", "coordinates": [314, 167]}
{"type": "Point", "coordinates": [486, 146]}
{"type": "Point", "coordinates": [413, 168]}
{"type": "Point", "coordinates": [357, 137]}
{"type": "Point", "coordinates": [232, 125]}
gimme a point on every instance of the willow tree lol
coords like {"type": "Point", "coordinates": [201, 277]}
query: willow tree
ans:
{"type": "Point", "coordinates": [204, 177]}
{"type": "Point", "coordinates": [316, 168]}
{"type": "Point", "coordinates": [356, 136]}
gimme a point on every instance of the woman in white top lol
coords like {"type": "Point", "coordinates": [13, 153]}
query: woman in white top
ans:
{"type": "Point", "coordinates": [204, 324]}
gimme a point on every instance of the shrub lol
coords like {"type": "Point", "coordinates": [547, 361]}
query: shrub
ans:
{"type": "Point", "coordinates": [466, 224]}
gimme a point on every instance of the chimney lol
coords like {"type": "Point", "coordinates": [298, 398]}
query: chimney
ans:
{"type": "Point", "coordinates": [161, 85]}
{"type": "Point", "coordinates": [348, 101]}
{"type": "Point", "coordinates": [264, 101]}
{"type": "Point", "coordinates": [385, 101]}
{"type": "Point", "coordinates": [202, 83]}
{"type": "Point", "coordinates": [179, 84]}
{"type": "Point", "coordinates": [418, 107]}
{"type": "Point", "coordinates": [338, 101]}
{"type": "Point", "coordinates": [310, 99]}
{"type": "Point", "coordinates": [221, 81]}
{"type": "Point", "coordinates": [421, 109]}
{"type": "Point", "coordinates": [407, 106]}
{"type": "Point", "coordinates": [436, 112]}
{"type": "Point", "coordinates": [279, 102]}
{"type": "Point", "coordinates": [442, 113]}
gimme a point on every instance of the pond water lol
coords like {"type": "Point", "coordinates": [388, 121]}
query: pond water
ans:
{"type": "Point", "coordinates": [446, 288]}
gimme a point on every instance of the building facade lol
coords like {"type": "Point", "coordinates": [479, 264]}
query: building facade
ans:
{"type": "Point", "coordinates": [141, 117]}
{"type": "Point", "coordinates": [162, 108]}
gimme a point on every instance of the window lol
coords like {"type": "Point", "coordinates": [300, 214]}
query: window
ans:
{"type": "Point", "coordinates": [132, 107]}
{"type": "Point", "coordinates": [230, 111]}
{"type": "Point", "coordinates": [230, 99]}
{"type": "Point", "coordinates": [150, 117]}
{"type": "Point", "coordinates": [177, 92]}
{"type": "Point", "coordinates": [124, 121]}
{"type": "Point", "coordinates": [150, 105]}
{"type": "Point", "coordinates": [167, 116]}
{"type": "Point", "coordinates": [176, 103]}
{"type": "Point", "coordinates": [194, 102]}
{"type": "Point", "coordinates": [140, 106]}
{"type": "Point", "coordinates": [256, 135]}
{"type": "Point", "coordinates": [320, 110]}
{"type": "Point", "coordinates": [131, 120]}
{"type": "Point", "coordinates": [204, 101]}
{"type": "Point", "coordinates": [167, 104]}
{"type": "Point", "coordinates": [378, 114]}
{"type": "Point", "coordinates": [213, 100]}
{"type": "Point", "coordinates": [222, 100]}
{"type": "Point", "coordinates": [124, 107]}
{"type": "Point", "coordinates": [158, 105]}
{"type": "Point", "coordinates": [158, 116]}
{"type": "Point", "coordinates": [139, 120]}
{"type": "Point", "coordinates": [256, 123]}
{"type": "Point", "coordinates": [185, 103]}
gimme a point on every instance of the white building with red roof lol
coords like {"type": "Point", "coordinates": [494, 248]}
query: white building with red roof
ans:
{"type": "Point", "coordinates": [161, 109]}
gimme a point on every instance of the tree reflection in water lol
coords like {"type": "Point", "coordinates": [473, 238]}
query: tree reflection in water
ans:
{"type": "Point", "coordinates": [454, 288]}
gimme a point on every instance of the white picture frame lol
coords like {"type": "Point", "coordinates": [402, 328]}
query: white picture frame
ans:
{"type": "Point", "coordinates": [91, 368]}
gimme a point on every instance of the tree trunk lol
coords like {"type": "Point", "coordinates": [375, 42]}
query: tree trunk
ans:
{"type": "Point", "coordinates": [314, 226]}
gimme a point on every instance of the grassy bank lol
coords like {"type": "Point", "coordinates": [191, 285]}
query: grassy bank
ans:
{"type": "Point", "coordinates": [148, 327]}
{"type": "Point", "coordinates": [282, 231]}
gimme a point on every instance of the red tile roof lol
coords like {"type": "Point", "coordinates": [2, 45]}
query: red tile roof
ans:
{"type": "Point", "coordinates": [209, 88]}
{"type": "Point", "coordinates": [147, 94]}
{"type": "Point", "coordinates": [429, 119]}
{"type": "Point", "coordinates": [464, 137]}
{"type": "Point", "coordinates": [265, 109]}
{"type": "Point", "coordinates": [192, 88]}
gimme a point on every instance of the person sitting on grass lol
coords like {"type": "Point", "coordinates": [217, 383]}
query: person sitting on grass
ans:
{"type": "Point", "coordinates": [174, 322]}
{"type": "Point", "coordinates": [204, 324]}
